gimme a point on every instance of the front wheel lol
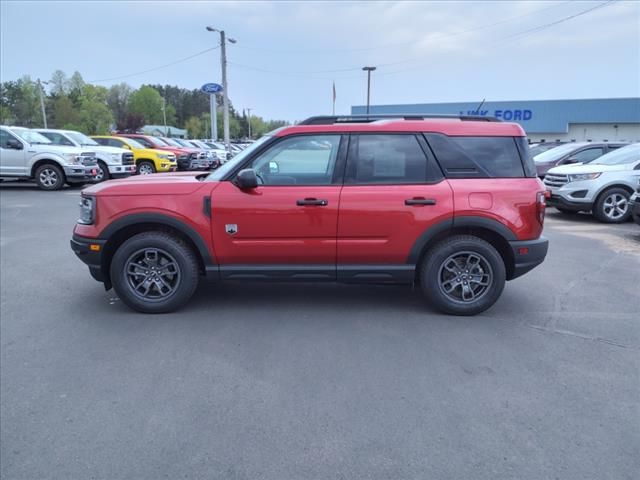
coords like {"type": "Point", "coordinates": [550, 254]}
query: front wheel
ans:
{"type": "Point", "coordinates": [154, 272]}
{"type": "Point", "coordinates": [462, 275]}
{"type": "Point", "coordinates": [146, 168]}
{"type": "Point", "coordinates": [612, 206]}
{"type": "Point", "coordinates": [49, 177]}
{"type": "Point", "coordinates": [103, 172]}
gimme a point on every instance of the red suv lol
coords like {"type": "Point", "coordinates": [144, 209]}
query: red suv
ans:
{"type": "Point", "coordinates": [450, 204]}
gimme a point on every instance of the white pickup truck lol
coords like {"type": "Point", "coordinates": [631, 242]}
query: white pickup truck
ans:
{"type": "Point", "coordinates": [113, 162]}
{"type": "Point", "coordinates": [25, 154]}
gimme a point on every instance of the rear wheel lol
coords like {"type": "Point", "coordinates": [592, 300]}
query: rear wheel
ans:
{"type": "Point", "coordinates": [613, 206]}
{"type": "Point", "coordinates": [103, 172]}
{"type": "Point", "coordinates": [146, 168]}
{"type": "Point", "coordinates": [49, 177]}
{"type": "Point", "coordinates": [154, 272]}
{"type": "Point", "coordinates": [462, 275]}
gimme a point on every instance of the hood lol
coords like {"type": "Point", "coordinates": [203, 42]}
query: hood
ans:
{"type": "Point", "coordinates": [152, 151]}
{"type": "Point", "coordinates": [106, 149]}
{"type": "Point", "coordinates": [175, 183]}
{"type": "Point", "coordinates": [58, 148]}
{"type": "Point", "coordinates": [590, 168]}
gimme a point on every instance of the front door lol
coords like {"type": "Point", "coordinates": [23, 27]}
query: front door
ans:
{"type": "Point", "coordinates": [12, 160]}
{"type": "Point", "coordinates": [393, 192]}
{"type": "Point", "coordinates": [289, 219]}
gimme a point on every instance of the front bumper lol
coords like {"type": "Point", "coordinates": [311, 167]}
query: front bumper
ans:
{"type": "Point", "coordinates": [559, 201]}
{"type": "Point", "coordinates": [164, 166]}
{"type": "Point", "coordinates": [80, 173]}
{"type": "Point", "coordinates": [527, 255]}
{"type": "Point", "coordinates": [119, 171]}
{"type": "Point", "coordinates": [89, 250]}
{"type": "Point", "coordinates": [635, 210]}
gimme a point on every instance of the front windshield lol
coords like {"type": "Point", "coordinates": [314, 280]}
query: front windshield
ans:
{"type": "Point", "coordinates": [82, 139]}
{"type": "Point", "coordinates": [217, 145]}
{"type": "Point", "coordinates": [132, 143]}
{"type": "Point", "coordinates": [628, 154]}
{"type": "Point", "coordinates": [554, 154]}
{"type": "Point", "coordinates": [159, 142]}
{"type": "Point", "coordinates": [172, 142]}
{"type": "Point", "coordinates": [30, 136]}
{"type": "Point", "coordinates": [222, 171]}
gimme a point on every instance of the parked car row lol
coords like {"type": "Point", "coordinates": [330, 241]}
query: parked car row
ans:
{"type": "Point", "coordinates": [54, 157]}
{"type": "Point", "coordinates": [592, 177]}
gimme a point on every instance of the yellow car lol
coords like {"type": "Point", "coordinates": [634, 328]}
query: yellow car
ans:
{"type": "Point", "coordinates": [147, 160]}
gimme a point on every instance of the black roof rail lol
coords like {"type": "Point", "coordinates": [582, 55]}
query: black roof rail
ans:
{"type": "Point", "coordinates": [331, 119]}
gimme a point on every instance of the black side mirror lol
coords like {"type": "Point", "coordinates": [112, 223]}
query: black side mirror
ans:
{"type": "Point", "coordinates": [571, 160]}
{"type": "Point", "coordinates": [14, 144]}
{"type": "Point", "coordinates": [247, 179]}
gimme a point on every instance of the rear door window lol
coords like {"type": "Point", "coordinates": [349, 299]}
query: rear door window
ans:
{"type": "Point", "coordinates": [477, 157]}
{"type": "Point", "coordinates": [386, 159]}
{"type": "Point", "coordinates": [586, 156]}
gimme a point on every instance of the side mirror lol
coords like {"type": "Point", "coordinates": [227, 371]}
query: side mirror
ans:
{"type": "Point", "coordinates": [247, 179]}
{"type": "Point", "coordinates": [571, 160]}
{"type": "Point", "coordinates": [14, 144]}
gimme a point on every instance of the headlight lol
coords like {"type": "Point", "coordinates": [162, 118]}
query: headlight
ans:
{"type": "Point", "coordinates": [87, 210]}
{"type": "Point", "coordinates": [578, 177]}
{"type": "Point", "coordinates": [163, 156]}
{"type": "Point", "coordinates": [115, 157]}
{"type": "Point", "coordinates": [72, 157]}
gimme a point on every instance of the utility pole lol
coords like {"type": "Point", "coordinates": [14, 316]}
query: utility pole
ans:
{"type": "Point", "coordinates": [368, 70]}
{"type": "Point", "coordinates": [164, 115]}
{"type": "Point", "coordinates": [44, 113]}
{"type": "Point", "coordinates": [225, 93]}
{"type": "Point", "coordinates": [249, 120]}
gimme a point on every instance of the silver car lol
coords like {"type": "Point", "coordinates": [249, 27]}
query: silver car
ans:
{"type": "Point", "coordinates": [603, 186]}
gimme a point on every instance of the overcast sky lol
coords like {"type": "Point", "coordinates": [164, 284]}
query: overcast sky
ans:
{"type": "Point", "coordinates": [288, 53]}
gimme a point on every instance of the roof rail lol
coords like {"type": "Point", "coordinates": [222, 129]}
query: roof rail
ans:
{"type": "Point", "coordinates": [331, 119]}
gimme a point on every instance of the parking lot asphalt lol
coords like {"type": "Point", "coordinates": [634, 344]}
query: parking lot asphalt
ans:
{"type": "Point", "coordinates": [297, 381]}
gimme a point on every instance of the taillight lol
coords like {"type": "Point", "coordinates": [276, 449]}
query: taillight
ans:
{"type": "Point", "coordinates": [541, 205]}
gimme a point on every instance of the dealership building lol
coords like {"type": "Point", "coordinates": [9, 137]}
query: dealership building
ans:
{"type": "Point", "coordinates": [598, 119]}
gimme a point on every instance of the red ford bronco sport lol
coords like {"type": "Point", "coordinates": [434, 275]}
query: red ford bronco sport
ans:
{"type": "Point", "coordinates": [451, 204]}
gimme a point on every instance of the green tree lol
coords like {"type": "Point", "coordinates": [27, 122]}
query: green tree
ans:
{"type": "Point", "coordinates": [194, 127]}
{"type": "Point", "coordinates": [21, 103]}
{"type": "Point", "coordinates": [95, 116]}
{"type": "Point", "coordinates": [63, 112]}
{"type": "Point", "coordinates": [118, 101]}
{"type": "Point", "coordinates": [59, 83]}
{"type": "Point", "coordinates": [147, 102]}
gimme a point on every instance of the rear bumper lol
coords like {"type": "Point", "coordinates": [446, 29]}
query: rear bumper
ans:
{"type": "Point", "coordinates": [86, 250]}
{"type": "Point", "coordinates": [527, 255]}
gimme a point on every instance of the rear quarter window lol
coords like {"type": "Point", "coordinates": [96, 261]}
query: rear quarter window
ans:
{"type": "Point", "coordinates": [481, 157]}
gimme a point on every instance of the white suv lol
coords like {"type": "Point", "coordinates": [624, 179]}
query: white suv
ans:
{"type": "Point", "coordinates": [25, 154]}
{"type": "Point", "coordinates": [603, 186]}
{"type": "Point", "coordinates": [113, 162]}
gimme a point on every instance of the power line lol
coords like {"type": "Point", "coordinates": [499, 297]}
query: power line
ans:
{"type": "Point", "coordinates": [155, 68]}
{"type": "Point", "coordinates": [413, 42]}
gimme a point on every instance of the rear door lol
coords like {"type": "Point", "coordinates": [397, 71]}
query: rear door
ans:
{"type": "Point", "coordinates": [393, 192]}
{"type": "Point", "coordinates": [289, 219]}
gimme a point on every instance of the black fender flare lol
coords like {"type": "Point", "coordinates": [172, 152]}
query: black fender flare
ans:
{"type": "Point", "coordinates": [457, 222]}
{"type": "Point", "coordinates": [136, 218]}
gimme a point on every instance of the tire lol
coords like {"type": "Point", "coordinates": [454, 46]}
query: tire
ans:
{"type": "Point", "coordinates": [146, 168]}
{"type": "Point", "coordinates": [145, 255]}
{"type": "Point", "coordinates": [49, 177]}
{"type": "Point", "coordinates": [103, 172]}
{"type": "Point", "coordinates": [613, 206]}
{"type": "Point", "coordinates": [443, 269]}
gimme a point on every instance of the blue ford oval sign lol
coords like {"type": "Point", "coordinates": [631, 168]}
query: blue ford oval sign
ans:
{"type": "Point", "coordinates": [211, 88]}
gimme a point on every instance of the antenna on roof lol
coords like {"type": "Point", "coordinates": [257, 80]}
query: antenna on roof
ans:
{"type": "Point", "coordinates": [480, 106]}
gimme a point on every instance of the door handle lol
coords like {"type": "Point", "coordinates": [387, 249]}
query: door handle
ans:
{"type": "Point", "coordinates": [312, 202]}
{"type": "Point", "coordinates": [419, 201]}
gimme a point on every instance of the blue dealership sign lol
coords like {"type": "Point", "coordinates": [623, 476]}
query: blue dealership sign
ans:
{"type": "Point", "coordinates": [211, 88]}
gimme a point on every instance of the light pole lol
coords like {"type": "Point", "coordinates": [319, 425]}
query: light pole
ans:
{"type": "Point", "coordinates": [213, 107]}
{"type": "Point", "coordinates": [249, 120]}
{"type": "Point", "coordinates": [368, 70]}
{"type": "Point", "coordinates": [44, 113]}
{"type": "Point", "coordinates": [225, 96]}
